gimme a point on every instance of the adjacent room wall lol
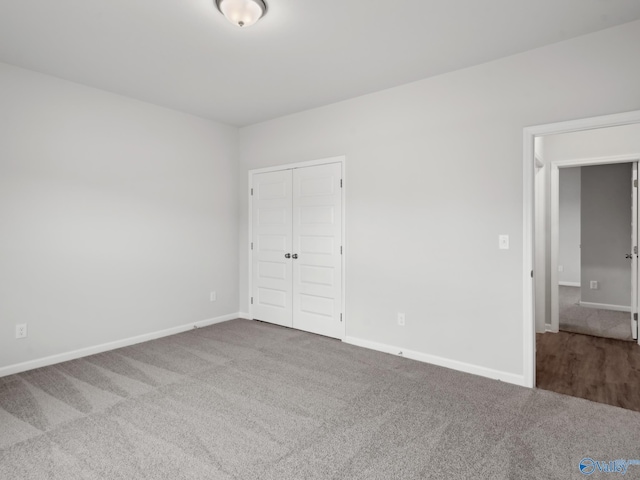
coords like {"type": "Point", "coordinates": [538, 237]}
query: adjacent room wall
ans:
{"type": "Point", "coordinates": [433, 176]}
{"type": "Point", "coordinates": [606, 234]}
{"type": "Point", "coordinates": [569, 220]}
{"type": "Point", "coordinates": [117, 217]}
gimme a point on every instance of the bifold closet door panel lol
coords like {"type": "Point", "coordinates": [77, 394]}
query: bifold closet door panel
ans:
{"type": "Point", "coordinates": [271, 216]}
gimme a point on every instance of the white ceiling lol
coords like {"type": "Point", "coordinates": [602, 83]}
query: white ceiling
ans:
{"type": "Point", "coordinates": [184, 55]}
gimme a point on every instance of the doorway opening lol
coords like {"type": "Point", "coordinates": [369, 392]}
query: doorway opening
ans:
{"type": "Point", "coordinates": [537, 279]}
{"type": "Point", "coordinates": [594, 260]}
{"type": "Point", "coordinates": [590, 247]}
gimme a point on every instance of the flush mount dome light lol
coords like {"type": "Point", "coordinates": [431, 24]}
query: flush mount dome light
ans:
{"type": "Point", "coordinates": [242, 12]}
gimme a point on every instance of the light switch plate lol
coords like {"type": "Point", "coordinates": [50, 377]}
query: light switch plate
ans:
{"type": "Point", "coordinates": [503, 242]}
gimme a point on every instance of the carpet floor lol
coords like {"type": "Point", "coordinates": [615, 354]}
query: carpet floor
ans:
{"type": "Point", "coordinates": [247, 400]}
{"type": "Point", "coordinates": [591, 321]}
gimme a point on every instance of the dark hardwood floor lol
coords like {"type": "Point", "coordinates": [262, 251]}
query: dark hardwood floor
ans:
{"type": "Point", "coordinates": [598, 369]}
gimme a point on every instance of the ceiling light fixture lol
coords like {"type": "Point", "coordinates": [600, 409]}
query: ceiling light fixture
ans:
{"type": "Point", "coordinates": [242, 12]}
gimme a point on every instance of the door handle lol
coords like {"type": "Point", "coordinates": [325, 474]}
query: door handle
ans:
{"type": "Point", "coordinates": [295, 255]}
{"type": "Point", "coordinates": [287, 255]}
{"type": "Point", "coordinates": [628, 255]}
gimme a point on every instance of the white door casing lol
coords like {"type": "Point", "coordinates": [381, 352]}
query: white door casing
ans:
{"type": "Point", "coordinates": [634, 252]}
{"type": "Point", "coordinates": [271, 213]}
{"type": "Point", "coordinates": [317, 236]}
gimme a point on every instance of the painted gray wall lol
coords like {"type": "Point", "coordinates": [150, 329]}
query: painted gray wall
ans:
{"type": "Point", "coordinates": [433, 175]}
{"type": "Point", "coordinates": [606, 233]}
{"type": "Point", "coordinates": [569, 220]}
{"type": "Point", "coordinates": [117, 217]}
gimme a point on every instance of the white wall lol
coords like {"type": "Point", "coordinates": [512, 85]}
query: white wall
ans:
{"type": "Point", "coordinates": [601, 142]}
{"type": "Point", "coordinates": [569, 220]}
{"type": "Point", "coordinates": [542, 241]}
{"type": "Point", "coordinates": [542, 275]}
{"type": "Point", "coordinates": [434, 174]}
{"type": "Point", "coordinates": [117, 217]}
{"type": "Point", "coordinates": [606, 234]}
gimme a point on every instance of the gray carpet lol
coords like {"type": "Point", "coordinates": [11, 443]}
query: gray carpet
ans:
{"type": "Point", "coordinates": [591, 321]}
{"type": "Point", "coordinates": [248, 400]}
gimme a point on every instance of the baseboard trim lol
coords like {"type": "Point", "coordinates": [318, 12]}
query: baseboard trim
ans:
{"type": "Point", "coordinates": [245, 316]}
{"type": "Point", "coordinates": [125, 342]}
{"type": "Point", "coordinates": [440, 361]}
{"type": "Point", "coordinates": [569, 284]}
{"type": "Point", "coordinates": [606, 306]}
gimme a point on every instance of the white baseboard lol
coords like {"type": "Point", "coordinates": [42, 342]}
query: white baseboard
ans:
{"type": "Point", "coordinates": [569, 284]}
{"type": "Point", "coordinates": [549, 329]}
{"type": "Point", "coordinates": [245, 316]}
{"type": "Point", "coordinates": [606, 306]}
{"type": "Point", "coordinates": [440, 361]}
{"type": "Point", "coordinates": [125, 342]}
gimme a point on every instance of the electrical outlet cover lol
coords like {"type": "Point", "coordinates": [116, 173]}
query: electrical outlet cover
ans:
{"type": "Point", "coordinates": [21, 330]}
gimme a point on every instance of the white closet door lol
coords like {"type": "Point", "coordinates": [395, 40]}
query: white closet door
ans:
{"type": "Point", "coordinates": [317, 236]}
{"type": "Point", "coordinates": [271, 215]}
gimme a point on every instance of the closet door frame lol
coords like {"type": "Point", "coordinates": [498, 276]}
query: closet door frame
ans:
{"type": "Point", "coordinates": [342, 161]}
